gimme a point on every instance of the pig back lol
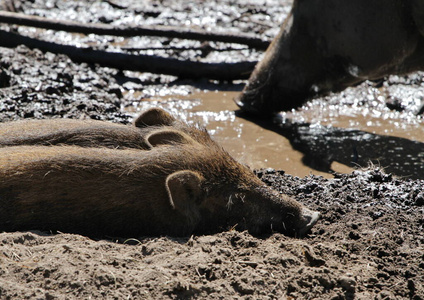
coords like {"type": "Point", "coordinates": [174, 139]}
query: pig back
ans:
{"type": "Point", "coordinates": [92, 133]}
{"type": "Point", "coordinates": [84, 133]}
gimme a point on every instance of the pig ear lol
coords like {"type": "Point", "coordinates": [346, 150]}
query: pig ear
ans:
{"type": "Point", "coordinates": [154, 117]}
{"type": "Point", "coordinates": [168, 137]}
{"type": "Point", "coordinates": [184, 190]}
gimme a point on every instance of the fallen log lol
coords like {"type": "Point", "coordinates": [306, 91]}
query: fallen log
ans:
{"type": "Point", "coordinates": [142, 63]}
{"type": "Point", "coordinates": [104, 29]}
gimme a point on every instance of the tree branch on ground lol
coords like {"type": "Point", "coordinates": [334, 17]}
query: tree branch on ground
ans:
{"type": "Point", "coordinates": [142, 63]}
{"type": "Point", "coordinates": [154, 30]}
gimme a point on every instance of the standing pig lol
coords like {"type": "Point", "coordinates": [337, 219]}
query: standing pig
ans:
{"type": "Point", "coordinates": [91, 133]}
{"type": "Point", "coordinates": [328, 45]}
{"type": "Point", "coordinates": [179, 188]}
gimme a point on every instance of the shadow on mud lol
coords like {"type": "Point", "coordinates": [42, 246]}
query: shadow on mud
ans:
{"type": "Point", "coordinates": [323, 145]}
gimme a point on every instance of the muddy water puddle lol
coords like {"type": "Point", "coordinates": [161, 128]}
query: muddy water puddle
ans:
{"type": "Point", "coordinates": [246, 141]}
{"type": "Point", "coordinates": [336, 138]}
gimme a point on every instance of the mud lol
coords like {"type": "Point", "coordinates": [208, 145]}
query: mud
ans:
{"type": "Point", "coordinates": [368, 244]}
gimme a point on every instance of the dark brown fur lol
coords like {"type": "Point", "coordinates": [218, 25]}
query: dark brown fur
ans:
{"type": "Point", "coordinates": [180, 188]}
{"type": "Point", "coordinates": [328, 45]}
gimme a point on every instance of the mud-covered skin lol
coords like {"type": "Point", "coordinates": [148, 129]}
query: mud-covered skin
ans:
{"type": "Point", "coordinates": [178, 187]}
{"type": "Point", "coordinates": [328, 45]}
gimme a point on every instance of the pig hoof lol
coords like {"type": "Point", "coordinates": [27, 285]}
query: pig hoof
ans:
{"type": "Point", "coordinates": [310, 218]}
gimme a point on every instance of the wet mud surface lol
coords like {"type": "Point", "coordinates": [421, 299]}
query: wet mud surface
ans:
{"type": "Point", "coordinates": [369, 243]}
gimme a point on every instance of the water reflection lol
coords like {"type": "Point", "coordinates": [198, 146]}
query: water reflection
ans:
{"type": "Point", "coordinates": [334, 133]}
{"type": "Point", "coordinates": [323, 145]}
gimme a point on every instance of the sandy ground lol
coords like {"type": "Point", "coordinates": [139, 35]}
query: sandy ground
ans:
{"type": "Point", "coordinates": [369, 243]}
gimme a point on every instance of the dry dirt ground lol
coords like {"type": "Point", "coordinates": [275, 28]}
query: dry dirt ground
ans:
{"type": "Point", "coordinates": [369, 243]}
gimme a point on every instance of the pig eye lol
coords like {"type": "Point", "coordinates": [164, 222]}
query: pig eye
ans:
{"type": "Point", "coordinates": [242, 190]}
{"type": "Point", "coordinates": [197, 198]}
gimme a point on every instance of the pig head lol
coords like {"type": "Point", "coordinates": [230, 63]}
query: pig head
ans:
{"type": "Point", "coordinates": [328, 45]}
{"type": "Point", "coordinates": [178, 187]}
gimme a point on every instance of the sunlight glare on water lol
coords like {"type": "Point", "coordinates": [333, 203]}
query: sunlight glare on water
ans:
{"type": "Point", "coordinates": [244, 140]}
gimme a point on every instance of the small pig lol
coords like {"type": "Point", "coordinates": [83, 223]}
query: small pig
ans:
{"type": "Point", "coordinates": [178, 188]}
{"type": "Point", "coordinates": [91, 133]}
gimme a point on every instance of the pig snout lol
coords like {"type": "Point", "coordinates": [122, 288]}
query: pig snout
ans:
{"type": "Point", "coordinates": [287, 215]}
{"type": "Point", "coordinates": [308, 219]}
{"type": "Point", "coordinates": [262, 210]}
{"type": "Point", "coordinates": [293, 218]}
{"type": "Point", "coordinates": [327, 46]}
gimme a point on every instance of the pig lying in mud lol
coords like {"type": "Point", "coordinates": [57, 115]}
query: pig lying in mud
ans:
{"type": "Point", "coordinates": [91, 133]}
{"type": "Point", "coordinates": [328, 45]}
{"type": "Point", "coordinates": [185, 183]}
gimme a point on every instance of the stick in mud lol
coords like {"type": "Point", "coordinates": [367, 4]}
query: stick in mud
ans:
{"type": "Point", "coordinates": [162, 31]}
{"type": "Point", "coordinates": [142, 63]}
